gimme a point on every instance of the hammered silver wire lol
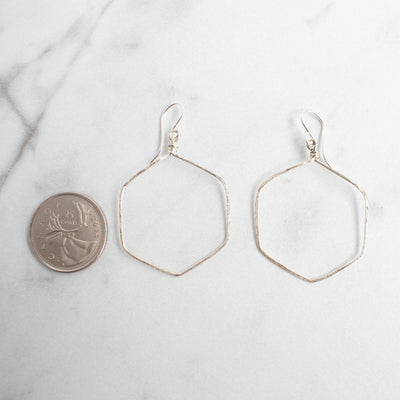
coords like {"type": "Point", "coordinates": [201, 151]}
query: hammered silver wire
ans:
{"type": "Point", "coordinates": [172, 152]}
{"type": "Point", "coordinates": [319, 159]}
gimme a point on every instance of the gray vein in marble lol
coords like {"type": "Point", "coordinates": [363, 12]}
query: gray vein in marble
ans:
{"type": "Point", "coordinates": [33, 129]}
{"type": "Point", "coordinates": [19, 68]}
{"type": "Point", "coordinates": [30, 132]}
{"type": "Point", "coordinates": [316, 20]}
{"type": "Point", "coordinates": [71, 32]}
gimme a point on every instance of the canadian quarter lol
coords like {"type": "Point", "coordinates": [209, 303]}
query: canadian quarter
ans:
{"type": "Point", "coordinates": [68, 232]}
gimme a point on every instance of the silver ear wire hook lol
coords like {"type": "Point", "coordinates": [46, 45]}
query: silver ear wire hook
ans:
{"type": "Point", "coordinates": [311, 143]}
{"type": "Point", "coordinates": [173, 134]}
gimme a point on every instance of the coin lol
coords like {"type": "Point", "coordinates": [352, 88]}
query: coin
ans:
{"type": "Point", "coordinates": [68, 232]}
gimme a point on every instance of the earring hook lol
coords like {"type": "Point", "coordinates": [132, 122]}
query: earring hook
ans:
{"type": "Point", "coordinates": [311, 143]}
{"type": "Point", "coordinates": [173, 133]}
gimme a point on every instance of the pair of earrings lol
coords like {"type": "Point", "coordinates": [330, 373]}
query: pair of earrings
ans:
{"type": "Point", "coordinates": [315, 157]}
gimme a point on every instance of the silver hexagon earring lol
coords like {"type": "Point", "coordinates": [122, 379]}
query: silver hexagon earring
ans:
{"type": "Point", "coordinates": [319, 159]}
{"type": "Point", "coordinates": [173, 137]}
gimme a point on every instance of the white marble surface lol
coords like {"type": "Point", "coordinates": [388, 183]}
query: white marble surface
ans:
{"type": "Point", "coordinates": [82, 87]}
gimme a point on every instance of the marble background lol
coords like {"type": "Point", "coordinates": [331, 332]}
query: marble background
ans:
{"type": "Point", "coordinates": [82, 87]}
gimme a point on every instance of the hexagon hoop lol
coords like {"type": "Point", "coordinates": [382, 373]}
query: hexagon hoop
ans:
{"type": "Point", "coordinates": [321, 160]}
{"type": "Point", "coordinates": [172, 149]}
